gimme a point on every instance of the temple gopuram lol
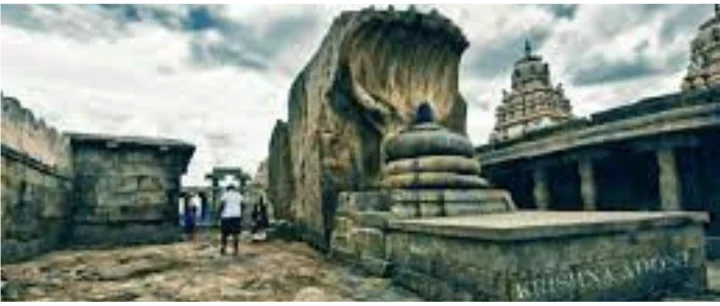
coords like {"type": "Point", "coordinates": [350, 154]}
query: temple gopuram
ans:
{"type": "Point", "coordinates": [704, 68]}
{"type": "Point", "coordinates": [657, 154]}
{"type": "Point", "coordinates": [533, 102]}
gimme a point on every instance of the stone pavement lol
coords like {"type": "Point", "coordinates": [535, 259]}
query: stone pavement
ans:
{"type": "Point", "coordinates": [272, 271]}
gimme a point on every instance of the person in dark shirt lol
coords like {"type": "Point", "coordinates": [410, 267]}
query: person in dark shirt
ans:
{"type": "Point", "coordinates": [260, 220]}
{"type": "Point", "coordinates": [190, 221]}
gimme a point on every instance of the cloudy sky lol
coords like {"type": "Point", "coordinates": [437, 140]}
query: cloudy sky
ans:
{"type": "Point", "coordinates": [218, 76]}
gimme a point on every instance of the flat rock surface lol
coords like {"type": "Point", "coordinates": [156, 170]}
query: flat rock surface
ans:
{"type": "Point", "coordinates": [532, 219]}
{"type": "Point", "coordinates": [522, 225]}
{"type": "Point", "coordinates": [267, 271]}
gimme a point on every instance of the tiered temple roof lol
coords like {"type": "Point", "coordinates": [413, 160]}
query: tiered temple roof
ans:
{"type": "Point", "coordinates": [704, 68]}
{"type": "Point", "coordinates": [533, 102]}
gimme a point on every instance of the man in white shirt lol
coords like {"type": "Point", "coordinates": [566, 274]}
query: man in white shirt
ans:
{"type": "Point", "coordinates": [230, 217]}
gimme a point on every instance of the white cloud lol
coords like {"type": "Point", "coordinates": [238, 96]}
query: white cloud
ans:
{"type": "Point", "coordinates": [103, 87]}
{"type": "Point", "coordinates": [138, 80]}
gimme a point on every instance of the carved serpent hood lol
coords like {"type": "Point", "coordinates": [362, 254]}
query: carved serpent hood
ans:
{"type": "Point", "coordinates": [362, 86]}
{"type": "Point", "coordinates": [396, 58]}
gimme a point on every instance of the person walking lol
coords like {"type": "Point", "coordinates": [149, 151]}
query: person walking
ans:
{"type": "Point", "coordinates": [190, 219]}
{"type": "Point", "coordinates": [230, 217]}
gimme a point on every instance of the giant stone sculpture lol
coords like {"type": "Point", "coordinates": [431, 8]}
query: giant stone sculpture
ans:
{"type": "Point", "coordinates": [362, 86]}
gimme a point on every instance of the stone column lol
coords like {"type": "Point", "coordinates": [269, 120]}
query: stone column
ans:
{"type": "Point", "coordinates": [588, 189]}
{"type": "Point", "coordinates": [215, 190]}
{"type": "Point", "coordinates": [541, 190]}
{"type": "Point", "coordinates": [668, 180]}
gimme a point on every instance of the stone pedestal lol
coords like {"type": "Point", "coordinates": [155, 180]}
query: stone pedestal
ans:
{"type": "Point", "coordinates": [361, 221]}
{"type": "Point", "coordinates": [668, 180]}
{"type": "Point", "coordinates": [214, 194]}
{"type": "Point", "coordinates": [550, 256]}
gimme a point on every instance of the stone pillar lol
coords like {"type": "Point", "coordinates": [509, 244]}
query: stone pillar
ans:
{"type": "Point", "coordinates": [215, 195]}
{"type": "Point", "coordinates": [243, 182]}
{"type": "Point", "coordinates": [541, 190]}
{"type": "Point", "coordinates": [668, 180]}
{"type": "Point", "coordinates": [588, 189]}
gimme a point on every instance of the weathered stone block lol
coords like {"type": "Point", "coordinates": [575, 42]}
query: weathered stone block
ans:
{"type": "Point", "coordinates": [368, 242]}
{"type": "Point", "coordinates": [151, 183]}
{"type": "Point", "coordinates": [375, 266]}
{"type": "Point", "coordinates": [371, 219]}
{"type": "Point", "coordinates": [450, 202]}
{"type": "Point", "coordinates": [461, 209]}
{"type": "Point", "coordinates": [553, 256]}
{"type": "Point", "coordinates": [438, 163]}
{"type": "Point", "coordinates": [431, 209]}
{"type": "Point", "coordinates": [147, 197]}
{"type": "Point", "coordinates": [343, 224]}
{"type": "Point", "coordinates": [342, 242]}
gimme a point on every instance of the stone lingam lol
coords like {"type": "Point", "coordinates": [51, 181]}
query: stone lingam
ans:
{"type": "Point", "coordinates": [436, 227]}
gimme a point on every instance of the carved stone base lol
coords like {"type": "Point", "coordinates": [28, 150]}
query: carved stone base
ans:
{"type": "Point", "coordinates": [550, 256]}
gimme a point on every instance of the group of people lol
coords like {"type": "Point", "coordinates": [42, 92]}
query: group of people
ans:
{"type": "Point", "coordinates": [230, 215]}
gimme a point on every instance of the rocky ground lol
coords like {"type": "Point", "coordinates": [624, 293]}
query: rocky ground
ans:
{"type": "Point", "coordinates": [269, 271]}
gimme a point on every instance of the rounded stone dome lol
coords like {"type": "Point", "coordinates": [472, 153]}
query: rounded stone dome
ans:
{"type": "Point", "coordinates": [427, 139]}
{"type": "Point", "coordinates": [429, 156]}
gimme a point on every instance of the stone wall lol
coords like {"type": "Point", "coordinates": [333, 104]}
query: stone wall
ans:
{"type": "Point", "coordinates": [280, 186]}
{"type": "Point", "coordinates": [364, 83]}
{"type": "Point", "coordinates": [127, 189]}
{"type": "Point", "coordinates": [36, 184]}
{"type": "Point", "coordinates": [60, 190]}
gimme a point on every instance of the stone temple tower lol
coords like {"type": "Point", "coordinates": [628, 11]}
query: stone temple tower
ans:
{"type": "Point", "coordinates": [533, 102]}
{"type": "Point", "coordinates": [704, 68]}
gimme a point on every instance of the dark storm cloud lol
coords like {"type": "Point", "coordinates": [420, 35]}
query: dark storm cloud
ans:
{"type": "Point", "coordinates": [683, 21]}
{"type": "Point", "coordinates": [15, 14]}
{"type": "Point", "coordinates": [207, 54]}
{"type": "Point", "coordinates": [600, 70]}
{"type": "Point", "coordinates": [678, 20]}
{"type": "Point", "coordinates": [239, 44]}
{"type": "Point", "coordinates": [242, 45]}
{"type": "Point", "coordinates": [560, 10]}
{"type": "Point", "coordinates": [200, 18]}
{"type": "Point", "coordinates": [502, 52]}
